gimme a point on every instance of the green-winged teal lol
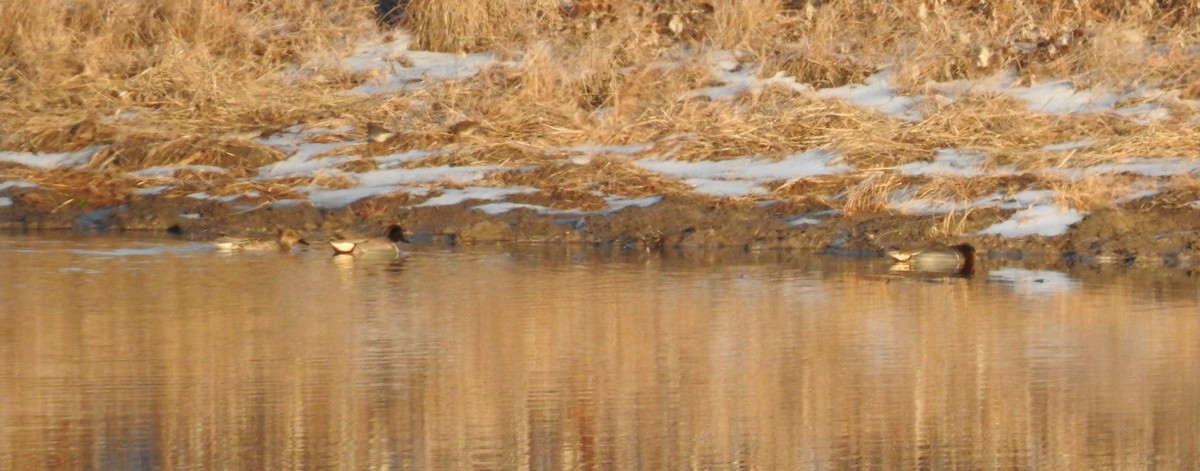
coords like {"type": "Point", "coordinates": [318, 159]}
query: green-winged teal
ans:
{"type": "Point", "coordinates": [936, 258]}
{"type": "Point", "coordinates": [385, 245]}
{"type": "Point", "coordinates": [287, 238]}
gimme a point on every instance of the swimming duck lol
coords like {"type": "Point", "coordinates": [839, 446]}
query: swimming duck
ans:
{"type": "Point", "coordinates": [287, 238]}
{"type": "Point", "coordinates": [385, 245]}
{"type": "Point", "coordinates": [936, 258]}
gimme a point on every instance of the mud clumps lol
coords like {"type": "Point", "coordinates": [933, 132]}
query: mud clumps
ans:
{"type": "Point", "coordinates": [1143, 234]}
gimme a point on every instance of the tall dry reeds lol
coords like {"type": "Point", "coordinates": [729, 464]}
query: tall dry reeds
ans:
{"type": "Point", "coordinates": [62, 61]}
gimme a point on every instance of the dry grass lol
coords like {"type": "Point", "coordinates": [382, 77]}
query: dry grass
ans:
{"type": "Point", "coordinates": [185, 82]}
{"type": "Point", "coordinates": [241, 157]}
{"type": "Point", "coordinates": [606, 175]}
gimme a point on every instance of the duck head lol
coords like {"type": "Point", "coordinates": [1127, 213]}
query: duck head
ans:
{"type": "Point", "coordinates": [395, 233]}
{"type": "Point", "coordinates": [290, 237]}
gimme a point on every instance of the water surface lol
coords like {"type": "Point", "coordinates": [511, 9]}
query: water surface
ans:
{"type": "Point", "coordinates": [157, 354]}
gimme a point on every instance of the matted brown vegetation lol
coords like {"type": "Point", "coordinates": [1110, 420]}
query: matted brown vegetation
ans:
{"type": "Point", "coordinates": [606, 175]}
{"type": "Point", "coordinates": [240, 157]}
{"type": "Point", "coordinates": [160, 82]}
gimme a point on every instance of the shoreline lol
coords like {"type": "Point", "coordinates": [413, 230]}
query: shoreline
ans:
{"type": "Point", "coordinates": [1065, 133]}
{"type": "Point", "coordinates": [1152, 235]}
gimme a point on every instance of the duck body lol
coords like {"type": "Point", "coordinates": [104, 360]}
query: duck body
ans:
{"type": "Point", "coordinates": [936, 258]}
{"type": "Point", "coordinates": [385, 245]}
{"type": "Point", "coordinates": [286, 240]}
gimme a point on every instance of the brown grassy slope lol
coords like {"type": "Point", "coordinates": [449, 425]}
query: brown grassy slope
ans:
{"type": "Point", "coordinates": [186, 65]}
{"type": "Point", "coordinates": [163, 78]}
{"type": "Point", "coordinates": [200, 65]}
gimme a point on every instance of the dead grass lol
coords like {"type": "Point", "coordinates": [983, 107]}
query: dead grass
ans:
{"type": "Point", "coordinates": [60, 187]}
{"type": "Point", "coordinates": [607, 175]}
{"type": "Point", "coordinates": [511, 154]}
{"type": "Point", "coordinates": [188, 82]}
{"type": "Point", "coordinates": [1094, 191]}
{"type": "Point", "coordinates": [240, 157]}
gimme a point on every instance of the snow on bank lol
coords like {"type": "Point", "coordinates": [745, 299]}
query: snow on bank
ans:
{"type": "Point", "coordinates": [1043, 220]}
{"type": "Point", "coordinates": [390, 66]}
{"type": "Point", "coordinates": [50, 160]}
{"type": "Point", "coordinates": [744, 176]}
{"type": "Point", "coordinates": [394, 67]}
{"type": "Point", "coordinates": [615, 203]}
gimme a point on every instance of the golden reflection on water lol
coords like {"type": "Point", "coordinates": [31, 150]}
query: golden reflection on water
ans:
{"type": "Point", "coordinates": [121, 354]}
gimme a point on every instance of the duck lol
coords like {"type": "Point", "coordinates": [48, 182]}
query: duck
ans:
{"type": "Point", "coordinates": [287, 238]}
{"type": "Point", "coordinates": [384, 245]}
{"type": "Point", "coordinates": [936, 258]}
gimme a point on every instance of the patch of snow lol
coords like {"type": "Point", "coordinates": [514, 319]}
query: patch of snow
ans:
{"type": "Point", "coordinates": [1061, 97]}
{"type": "Point", "coordinates": [504, 207]}
{"type": "Point", "coordinates": [1150, 167]}
{"type": "Point", "coordinates": [740, 177]}
{"type": "Point", "coordinates": [903, 202]}
{"type": "Point", "coordinates": [615, 203]}
{"type": "Point", "coordinates": [454, 195]}
{"type": "Point", "coordinates": [803, 220]}
{"type": "Point", "coordinates": [189, 215]}
{"type": "Point", "coordinates": [736, 79]}
{"type": "Point", "coordinates": [1145, 113]}
{"type": "Point", "coordinates": [5, 201]}
{"type": "Point", "coordinates": [4, 185]}
{"type": "Point", "coordinates": [205, 196]}
{"type": "Point", "coordinates": [150, 190]}
{"type": "Point", "coordinates": [460, 174]}
{"type": "Point", "coordinates": [396, 67]}
{"type": "Point", "coordinates": [1027, 198]}
{"type": "Point", "coordinates": [1044, 220]}
{"type": "Point", "coordinates": [898, 201]}
{"type": "Point", "coordinates": [1069, 145]}
{"type": "Point", "coordinates": [294, 136]}
{"type": "Point", "coordinates": [49, 160]}
{"type": "Point", "coordinates": [1137, 195]}
{"type": "Point", "coordinates": [301, 162]}
{"type": "Point", "coordinates": [958, 162]}
{"type": "Point", "coordinates": [168, 170]}
{"type": "Point", "coordinates": [723, 188]}
{"type": "Point", "coordinates": [877, 92]}
{"type": "Point", "coordinates": [327, 198]}
{"type": "Point", "coordinates": [286, 203]}
{"type": "Point", "coordinates": [392, 160]}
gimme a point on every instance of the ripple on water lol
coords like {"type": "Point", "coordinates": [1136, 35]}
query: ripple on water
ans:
{"type": "Point", "coordinates": [566, 356]}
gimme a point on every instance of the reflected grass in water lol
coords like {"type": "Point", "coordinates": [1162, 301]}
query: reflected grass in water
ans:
{"type": "Point", "coordinates": [549, 357]}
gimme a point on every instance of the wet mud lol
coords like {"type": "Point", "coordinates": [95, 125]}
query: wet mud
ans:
{"type": "Point", "coordinates": [1158, 231]}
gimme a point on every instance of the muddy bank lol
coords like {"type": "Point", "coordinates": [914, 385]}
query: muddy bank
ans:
{"type": "Point", "coordinates": [1147, 232]}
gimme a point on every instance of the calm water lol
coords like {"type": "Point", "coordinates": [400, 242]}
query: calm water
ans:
{"type": "Point", "coordinates": [155, 354]}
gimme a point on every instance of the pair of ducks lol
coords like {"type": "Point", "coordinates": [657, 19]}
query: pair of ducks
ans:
{"type": "Point", "coordinates": [386, 245]}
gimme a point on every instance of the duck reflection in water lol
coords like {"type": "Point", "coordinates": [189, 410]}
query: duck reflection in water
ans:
{"type": "Point", "coordinates": [937, 258]}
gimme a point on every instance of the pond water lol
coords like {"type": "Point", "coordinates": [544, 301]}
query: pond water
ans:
{"type": "Point", "coordinates": [123, 353]}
